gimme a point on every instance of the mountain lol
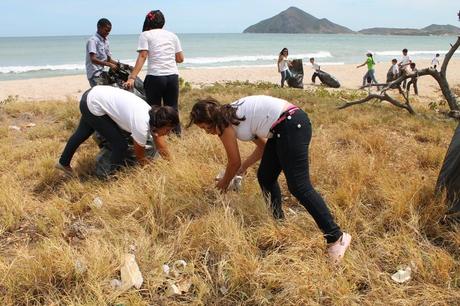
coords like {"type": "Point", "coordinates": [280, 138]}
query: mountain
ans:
{"type": "Point", "coordinates": [294, 20]}
{"type": "Point", "coordinates": [433, 29]}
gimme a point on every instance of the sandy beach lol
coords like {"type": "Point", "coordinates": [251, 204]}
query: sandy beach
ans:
{"type": "Point", "coordinates": [71, 87]}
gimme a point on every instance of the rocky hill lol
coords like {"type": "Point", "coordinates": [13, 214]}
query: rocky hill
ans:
{"type": "Point", "coordinates": [294, 20]}
{"type": "Point", "coordinates": [433, 29]}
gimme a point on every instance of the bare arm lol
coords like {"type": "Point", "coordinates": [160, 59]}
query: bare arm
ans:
{"type": "Point", "coordinates": [361, 65]}
{"type": "Point", "coordinates": [162, 147]}
{"type": "Point", "coordinates": [230, 143]}
{"type": "Point", "coordinates": [139, 151]}
{"type": "Point", "coordinates": [255, 156]}
{"type": "Point", "coordinates": [180, 57]}
{"type": "Point", "coordinates": [141, 57]}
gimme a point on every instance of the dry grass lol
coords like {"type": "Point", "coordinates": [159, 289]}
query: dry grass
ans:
{"type": "Point", "coordinates": [375, 165]}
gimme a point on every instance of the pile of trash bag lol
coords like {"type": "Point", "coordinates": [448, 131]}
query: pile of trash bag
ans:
{"type": "Point", "coordinates": [296, 78]}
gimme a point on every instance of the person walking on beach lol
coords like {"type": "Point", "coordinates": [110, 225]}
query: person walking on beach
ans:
{"type": "Point", "coordinates": [316, 68]}
{"type": "Point", "coordinates": [283, 65]}
{"type": "Point", "coordinates": [288, 130]}
{"type": "Point", "coordinates": [163, 51]}
{"type": "Point", "coordinates": [404, 65]}
{"type": "Point", "coordinates": [98, 53]}
{"type": "Point", "coordinates": [108, 110]}
{"type": "Point", "coordinates": [369, 77]}
{"type": "Point", "coordinates": [435, 61]}
{"type": "Point", "coordinates": [413, 79]}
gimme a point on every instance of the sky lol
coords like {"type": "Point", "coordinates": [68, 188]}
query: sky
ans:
{"type": "Point", "coordinates": [79, 17]}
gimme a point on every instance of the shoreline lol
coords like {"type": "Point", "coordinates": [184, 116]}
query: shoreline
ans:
{"type": "Point", "coordinates": [71, 87]}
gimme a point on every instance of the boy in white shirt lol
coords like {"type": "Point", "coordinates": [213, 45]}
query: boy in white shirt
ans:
{"type": "Point", "coordinates": [316, 68]}
{"type": "Point", "coordinates": [435, 61]}
{"type": "Point", "coordinates": [404, 64]}
{"type": "Point", "coordinates": [393, 72]}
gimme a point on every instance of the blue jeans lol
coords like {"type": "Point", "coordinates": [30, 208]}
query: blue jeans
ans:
{"type": "Point", "coordinates": [286, 74]}
{"type": "Point", "coordinates": [369, 74]}
{"type": "Point", "coordinates": [287, 151]}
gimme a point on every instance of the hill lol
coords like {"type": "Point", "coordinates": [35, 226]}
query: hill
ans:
{"type": "Point", "coordinates": [294, 20]}
{"type": "Point", "coordinates": [433, 29]}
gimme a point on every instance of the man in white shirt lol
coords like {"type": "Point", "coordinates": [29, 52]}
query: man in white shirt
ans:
{"type": "Point", "coordinates": [163, 51]}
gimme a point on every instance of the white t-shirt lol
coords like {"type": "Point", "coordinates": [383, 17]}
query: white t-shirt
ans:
{"type": "Point", "coordinates": [283, 64]}
{"type": "Point", "coordinates": [260, 112]}
{"type": "Point", "coordinates": [129, 112]}
{"type": "Point", "coordinates": [435, 62]}
{"type": "Point", "coordinates": [395, 70]}
{"type": "Point", "coordinates": [405, 60]}
{"type": "Point", "coordinates": [162, 46]}
{"type": "Point", "coordinates": [315, 66]}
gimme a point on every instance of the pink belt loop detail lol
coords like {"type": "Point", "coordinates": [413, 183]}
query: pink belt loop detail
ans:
{"type": "Point", "coordinates": [288, 112]}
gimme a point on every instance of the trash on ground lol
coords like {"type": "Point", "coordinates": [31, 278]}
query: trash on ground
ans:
{"type": "Point", "coordinates": [130, 273]}
{"type": "Point", "coordinates": [80, 266]}
{"type": "Point", "coordinates": [177, 279]}
{"type": "Point", "coordinates": [403, 275]}
{"type": "Point", "coordinates": [236, 184]}
{"type": "Point", "coordinates": [29, 125]}
{"type": "Point", "coordinates": [97, 202]}
{"type": "Point", "coordinates": [14, 128]}
{"type": "Point", "coordinates": [115, 284]}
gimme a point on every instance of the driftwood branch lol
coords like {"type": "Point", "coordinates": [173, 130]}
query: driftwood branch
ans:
{"type": "Point", "coordinates": [439, 76]}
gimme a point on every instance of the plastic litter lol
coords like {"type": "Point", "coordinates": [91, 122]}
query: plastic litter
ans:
{"type": "Point", "coordinates": [236, 184]}
{"type": "Point", "coordinates": [80, 266]}
{"type": "Point", "coordinates": [403, 275]}
{"type": "Point", "coordinates": [97, 202]}
{"type": "Point", "coordinates": [177, 281]}
{"type": "Point", "coordinates": [14, 128]}
{"type": "Point", "coordinates": [115, 284]}
{"type": "Point", "coordinates": [29, 125]}
{"type": "Point", "coordinates": [166, 269]}
{"type": "Point", "coordinates": [130, 273]}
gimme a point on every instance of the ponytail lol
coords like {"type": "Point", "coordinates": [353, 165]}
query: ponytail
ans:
{"type": "Point", "coordinates": [209, 111]}
{"type": "Point", "coordinates": [153, 20]}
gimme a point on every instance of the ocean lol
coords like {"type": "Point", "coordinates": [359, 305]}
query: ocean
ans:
{"type": "Point", "coordinates": [35, 57]}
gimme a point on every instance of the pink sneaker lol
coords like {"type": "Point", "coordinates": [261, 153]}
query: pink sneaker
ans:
{"type": "Point", "coordinates": [338, 249]}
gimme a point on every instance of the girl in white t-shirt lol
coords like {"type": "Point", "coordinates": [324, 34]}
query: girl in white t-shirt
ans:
{"type": "Point", "coordinates": [288, 130]}
{"type": "Point", "coordinates": [283, 65]}
{"type": "Point", "coordinates": [108, 110]}
{"type": "Point", "coordinates": [163, 51]}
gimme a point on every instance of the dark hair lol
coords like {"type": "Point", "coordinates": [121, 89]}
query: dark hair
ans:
{"type": "Point", "coordinates": [153, 20]}
{"type": "Point", "coordinates": [209, 111]}
{"type": "Point", "coordinates": [404, 50]}
{"type": "Point", "coordinates": [103, 22]}
{"type": "Point", "coordinates": [394, 60]}
{"type": "Point", "coordinates": [312, 58]}
{"type": "Point", "coordinates": [437, 54]}
{"type": "Point", "coordinates": [284, 49]}
{"type": "Point", "coordinates": [162, 116]}
{"type": "Point", "coordinates": [412, 65]}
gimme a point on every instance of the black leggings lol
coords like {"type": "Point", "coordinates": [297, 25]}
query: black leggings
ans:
{"type": "Point", "coordinates": [287, 151]}
{"type": "Point", "coordinates": [102, 124]}
{"type": "Point", "coordinates": [164, 88]}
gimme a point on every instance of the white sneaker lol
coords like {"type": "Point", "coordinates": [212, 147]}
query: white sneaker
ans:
{"type": "Point", "coordinates": [337, 249]}
{"type": "Point", "coordinates": [66, 169]}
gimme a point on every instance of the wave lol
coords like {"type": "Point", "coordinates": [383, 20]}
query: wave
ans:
{"type": "Point", "coordinates": [250, 58]}
{"type": "Point", "coordinates": [417, 52]}
{"type": "Point", "coordinates": [258, 66]}
{"type": "Point", "coordinates": [23, 69]}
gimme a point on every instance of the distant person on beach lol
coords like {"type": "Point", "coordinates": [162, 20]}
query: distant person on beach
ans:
{"type": "Point", "coordinates": [316, 68]}
{"type": "Point", "coordinates": [404, 65]}
{"type": "Point", "coordinates": [163, 51]}
{"type": "Point", "coordinates": [435, 61]}
{"type": "Point", "coordinates": [108, 110]}
{"type": "Point", "coordinates": [369, 77]}
{"type": "Point", "coordinates": [281, 132]}
{"type": "Point", "coordinates": [393, 72]}
{"type": "Point", "coordinates": [283, 65]}
{"type": "Point", "coordinates": [413, 79]}
{"type": "Point", "coordinates": [98, 53]}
